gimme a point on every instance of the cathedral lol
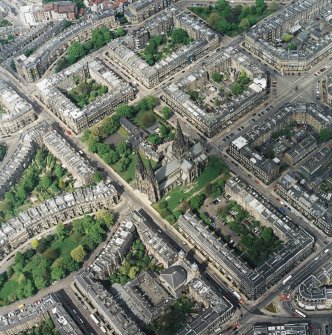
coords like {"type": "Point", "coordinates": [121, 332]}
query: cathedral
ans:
{"type": "Point", "coordinates": [182, 163]}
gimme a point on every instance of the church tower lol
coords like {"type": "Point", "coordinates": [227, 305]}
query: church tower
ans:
{"type": "Point", "coordinates": [180, 144]}
{"type": "Point", "coordinates": [146, 180]}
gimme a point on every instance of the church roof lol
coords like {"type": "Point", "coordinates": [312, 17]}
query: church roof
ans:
{"type": "Point", "coordinates": [175, 276]}
{"type": "Point", "coordinates": [167, 169]}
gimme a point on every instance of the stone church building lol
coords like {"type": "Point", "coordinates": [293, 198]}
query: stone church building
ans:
{"type": "Point", "coordinates": [182, 164]}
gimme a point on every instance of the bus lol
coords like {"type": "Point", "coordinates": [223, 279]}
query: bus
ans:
{"type": "Point", "coordinates": [286, 279]}
{"type": "Point", "coordinates": [237, 295]}
{"type": "Point", "coordinates": [95, 320]}
{"type": "Point", "coordinates": [302, 315]}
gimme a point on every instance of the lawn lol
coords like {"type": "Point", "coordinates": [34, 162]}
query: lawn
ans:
{"type": "Point", "coordinates": [129, 174]}
{"type": "Point", "coordinates": [64, 247]}
{"type": "Point", "coordinates": [123, 132]}
{"type": "Point", "coordinates": [213, 169]}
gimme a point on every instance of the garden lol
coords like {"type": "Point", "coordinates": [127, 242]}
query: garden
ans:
{"type": "Point", "coordinates": [43, 179]}
{"type": "Point", "coordinates": [173, 319]}
{"type": "Point", "coordinates": [46, 327]}
{"type": "Point", "coordinates": [77, 50]}
{"type": "Point", "coordinates": [161, 46]}
{"type": "Point", "coordinates": [233, 20]}
{"type": "Point", "coordinates": [86, 92]}
{"type": "Point", "coordinates": [136, 261]}
{"type": "Point", "coordinates": [256, 242]}
{"type": "Point", "coordinates": [53, 257]}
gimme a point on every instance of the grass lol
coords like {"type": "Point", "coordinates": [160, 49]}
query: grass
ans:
{"type": "Point", "coordinates": [271, 308]}
{"type": "Point", "coordinates": [123, 132]}
{"type": "Point", "coordinates": [213, 169]}
{"type": "Point", "coordinates": [57, 249]}
{"type": "Point", "coordinates": [129, 174]}
{"type": "Point", "coordinates": [64, 247]}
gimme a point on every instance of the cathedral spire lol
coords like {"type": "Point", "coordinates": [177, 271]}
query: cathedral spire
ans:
{"type": "Point", "coordinates": [139, 164]}
{"type": "Point", "coordinates": [149, 171]}
{"type": "Point", "coordinates": [180, 144]}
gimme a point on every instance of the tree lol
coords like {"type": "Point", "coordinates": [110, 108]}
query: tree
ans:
{"type": "Point", "coordinates": [223, 26]}
{"type": "Point", "coordinates": [213, 19]}
{"type": "Point", "coordinates": [78, 254]}
{"type": "Point", "coordinates": [166, 112]}
{"type": "Point", "coordinates": [133, 272]}
{"type": "Point", "coordinates": [97, 177]}
{"type": "Point", "coordinates": [34, 244]}
{"type": "Point", "coordinates": [217, 77]}
{"type": "Point", "coordinates": [122, 148]}
{"type": "Point", "coordinates": [324, 135]}
{"type": "Point", "coordinates": [19, 262]}
{"type": "Point", "coordinates": [45, 182]}
{"type": "Point", "coordinates": [106, 216]}
{"type": "Point", "coordinates": [154, 139]}
{"type": "Point", "coordinates": [274, 6]}
{"type": "Point", "coordinates": [57, 273]}
{"type": "Point", "coordinates": [29, 288]}
{"type": "Point", "coordinates": [260, 6]}
{"type": "Point", "coordinates": [179, 36]}
{"type": "Point", "coordinates": [61, 231]}
{"type": "Point", "coordinates": [75, 52]}
{"type": "Point", "coordinates": [40, 282]}
{"type": "Point", "coordinates": [287, 37]}
{"type": "Point", "coordinates": [267, 234]}
{"type": "Point", "coordinates": [163, 131]}
{"type": "Point", "coordinates": [196, 201]}
{"type": "Point", "coordinates": [69, 264]}
{"type": "Point", "coordinates": [244, 24]}
{"type": "Point", "coordinates": [120, 32]}
{"type": "Point", "coordinates": [148, 120]}
{"type": "Point", "coordinates": [236, 89]}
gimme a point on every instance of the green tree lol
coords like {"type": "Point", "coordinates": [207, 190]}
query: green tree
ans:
{"type": "Point", "coordinates": [122, 148]}
{"type": "Point", "coordinates": [78, 254]}
{"type": "Point", "coordinates": [57, 273]}
{"type": "Point", "coordinates": [236, 89]}
{"type": "Point", "coordinates": [154, 139]}
{"type": "Point", "coordinates": [61, 231]}
{"type": "Point", "coordinates": [120, 32]}
{"type": "Point", "coordinates": [75, 52]}
{"type": "Point", "coordinates": [213, 19]}
{"type": "Point", "coordinates": [45, 182]}
{"type": "Point", "coordinates": [97, 177]}
{"type": "Point", "coordinates": [167, 112]}
{"type": "Point", "coordinates": [260, 6]}
{"type": "Point", "coordinates": [29, 288]}
{"type": "Point", "coordinates": [19, 262]}
{"type": "Point", "coordinates": [244, 24]}
{"type": "Point", "coordinates": [179, 36]}
{"type": "Point", "coordinates": [196, 201]}
{"type": "Point", "coordinates": [217, 77]}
